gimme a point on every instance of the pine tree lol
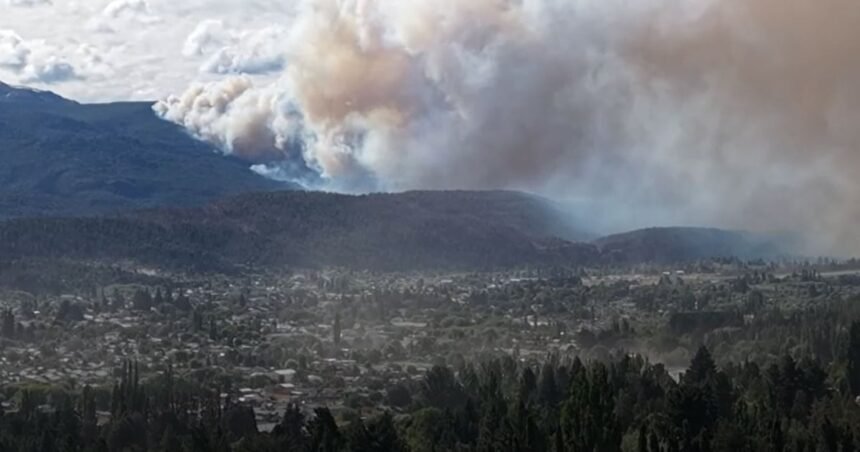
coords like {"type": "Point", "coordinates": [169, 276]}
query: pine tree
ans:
{"type": "Point", "coordinates": [385, 436]}
{"type": "Point", "coordinates": [324, 434]}
{"type": "Point", "coordinates": [291, 430]}
{"type": "Point", "coordinates": [854, 359]}
{"type": "Point", "coordinates": [8, 326]}
{"type": "Point", "coordinates": [776, 437]}
{"type": "Point", "coordinates": [169, 440]}
{"type": "Point", "coordinates": [528, 384]}
{"type": "Point", "coordinates": [654, 442]}
{"type": "Point", "coordinates": [213, 330]}
{"type": "Point", "coordinates": [701, 368]}
{"type": "Point", "coordinates": [548, 391]}
{"type": "Point", "coordinates": [142, 300]}
{"type": "Point", "coordinates": [358, 437]}
{"type": "Point", "coordinates": [643, 439]}
{"type": "Point", "coordinates": [336, 329]}
{"type": "Point", "coordinates": [588, 417]}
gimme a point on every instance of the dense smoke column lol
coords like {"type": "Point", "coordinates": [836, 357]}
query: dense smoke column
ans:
{"type": "Point", "coordinates": [736, 113]}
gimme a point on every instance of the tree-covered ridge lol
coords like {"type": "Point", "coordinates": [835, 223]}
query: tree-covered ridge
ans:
{"type": "Point", "coordinates": [387, 232]}
{"type": "Point", "coordinates": [625, 404]}
{"type": "Point", "coordinates": [65, 158]}
{"type": "Point", "coordinates": [307, 229]}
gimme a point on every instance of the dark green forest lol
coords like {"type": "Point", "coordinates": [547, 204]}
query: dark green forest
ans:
{"type": "Point", "coordinates": [382, 232]}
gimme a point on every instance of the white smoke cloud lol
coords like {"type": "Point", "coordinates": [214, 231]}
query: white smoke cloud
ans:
{"type": "Point", "coordinates": [726, 112]}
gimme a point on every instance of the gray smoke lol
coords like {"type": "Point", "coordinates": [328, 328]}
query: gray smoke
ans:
{"type": "Point", "coordinates": [736, 113]}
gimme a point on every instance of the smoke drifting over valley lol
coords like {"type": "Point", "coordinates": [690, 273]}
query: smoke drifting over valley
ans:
{"type": "Point", "coordinates": [736, 113]}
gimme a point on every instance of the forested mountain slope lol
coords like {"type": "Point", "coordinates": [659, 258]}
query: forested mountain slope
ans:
{"type": "Point", "coordinates": [60, 157]}
{"type": "Point", "coordinates": [406, 231]}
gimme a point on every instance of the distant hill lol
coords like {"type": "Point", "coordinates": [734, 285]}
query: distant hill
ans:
{"type": "Point", "coordinates": [59, 157]}
{"type": "Point", "coordinates": [678, 244]}
{"type": "Point", "coordinates": [409, 231]}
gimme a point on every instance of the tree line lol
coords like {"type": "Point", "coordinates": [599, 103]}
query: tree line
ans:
{"type": "Point", "coordinates": [502, 404]}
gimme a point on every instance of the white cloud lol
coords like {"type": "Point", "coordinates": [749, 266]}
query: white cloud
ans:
{"type": "Point", "coordinates": [118, 8]}
{"type": "Point", "coordinates": [34, 61]}
{"type": "Point", "coordinates": [122, 14]}
{"type": "Point", "coordinates": [28, 3]}
{"type": "Point", "coordinates": [230, 51]}
{"type": "Point", "coordinates": [91, 61]}
{"type": "Point", "coordinates": [209, 35]}
{"type": "Point", "coordinates": [13, 52]}
{"type": "Point", "coordinates": [133, 49]}
{"type": "Point", "coordinates": [52, 69]}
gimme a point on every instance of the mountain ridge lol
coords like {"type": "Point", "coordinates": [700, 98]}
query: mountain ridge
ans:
{"type": "Point", "coordinates": [678, 243]}
{"type": "Point", "coordinates": [61, 157]}
{"type": "Point", "coordinates": [461, 230]}
{"type": "Point", "coordinates": [114, 181]}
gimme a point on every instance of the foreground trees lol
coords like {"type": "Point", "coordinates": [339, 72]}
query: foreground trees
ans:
{"type": "Point", "coordinates": [854, 359]}
{"type": "Point", "coordinates": [626, 404]}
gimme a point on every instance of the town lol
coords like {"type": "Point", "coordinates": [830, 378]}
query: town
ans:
{"type": "Point", "coordinates": [360, 343]}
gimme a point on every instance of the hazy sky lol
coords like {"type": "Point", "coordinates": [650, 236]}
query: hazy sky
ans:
{"type": "Point", "coordinates": [99, 50]}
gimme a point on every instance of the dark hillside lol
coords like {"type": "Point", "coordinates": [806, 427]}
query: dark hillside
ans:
{"type": "Point", "coordinates": [666, 245]}
{"type": "Point", "coordinates": [65, 158]}
{"type": "Point", "coordinates": [418, 230]}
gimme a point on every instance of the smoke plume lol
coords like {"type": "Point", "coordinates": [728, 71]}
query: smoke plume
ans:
{"type": "Point", "coordinates": [737, 113]}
